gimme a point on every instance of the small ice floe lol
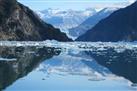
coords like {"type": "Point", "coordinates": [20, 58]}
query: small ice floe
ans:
{"type": "Point", "coordinates": [7, 59]}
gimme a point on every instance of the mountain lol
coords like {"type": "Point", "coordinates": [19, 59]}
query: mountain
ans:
{"type": "Point", "coordinates": [119, 26]}
{"type": "Point", "coordinates": [18, 22]}
{"type": "Point", "coordinates": [91, 22]}
{"type": "Point", "coordinates": [65, 19]}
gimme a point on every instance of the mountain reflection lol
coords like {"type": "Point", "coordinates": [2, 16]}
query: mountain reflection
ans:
{"type": "Point", "coordinates": [73, 64]}
{"type": "Point", "coordinates": [57, 68]}
{"type": "Point", "coordinates": [122, 63]}
{"type": "Point", "coordinates": [16, 62]}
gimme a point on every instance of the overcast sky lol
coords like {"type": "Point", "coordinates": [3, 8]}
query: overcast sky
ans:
{"type": "Point", "coordinates": [73, 4]}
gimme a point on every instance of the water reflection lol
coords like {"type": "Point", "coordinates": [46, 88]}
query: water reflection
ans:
{"type": "Point", "coordinates": [122, 63]}
{"type": "Point", "coordinates": [46, 68]}
{"type": "Point", "coordinates": [16, 62]}
{"type": "Point", "coordinates": [66, 64]}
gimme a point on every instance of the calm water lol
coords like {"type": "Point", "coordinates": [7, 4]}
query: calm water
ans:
{"type": "Point", "coordinates": [68, 69]}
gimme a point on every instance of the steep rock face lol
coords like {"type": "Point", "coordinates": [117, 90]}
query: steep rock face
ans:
{"type": "Point", "coordinates": [90, 22]}
{"type": "Point", "coordinates": [119, 26]}
{"type": "Point", "coordinates": [18, 22]}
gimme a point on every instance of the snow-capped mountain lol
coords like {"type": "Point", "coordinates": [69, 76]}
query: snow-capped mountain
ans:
{"type": "Point", "coordinates": [90, 22]}
{"type": "Point", "coordinates": [65, 19]}
{"type": "Point", "coordinates": [119, 26]}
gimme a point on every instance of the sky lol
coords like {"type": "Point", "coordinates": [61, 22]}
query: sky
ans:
{"type": "Point", "coordinates": [38, 5]}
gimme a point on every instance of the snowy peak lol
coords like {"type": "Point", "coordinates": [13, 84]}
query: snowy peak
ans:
{"type": "Point", "coordinates": [69, 12]}
{"type": "Point", "coordinates": [65, 19]}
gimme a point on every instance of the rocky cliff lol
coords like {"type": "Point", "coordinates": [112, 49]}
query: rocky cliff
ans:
{"type": "Point", "coordinates": [119, 26]}
{"type": "Point", "coordinates": [18, 22]}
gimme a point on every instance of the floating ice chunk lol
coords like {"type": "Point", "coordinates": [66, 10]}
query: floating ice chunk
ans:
{"type": "Point", "coordinates": [8, 59]}
{"type": "Point", "coordinates": [98, 46]}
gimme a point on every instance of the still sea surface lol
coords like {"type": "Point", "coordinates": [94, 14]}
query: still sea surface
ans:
{"type": "Point", "coordinates": [70, 66]}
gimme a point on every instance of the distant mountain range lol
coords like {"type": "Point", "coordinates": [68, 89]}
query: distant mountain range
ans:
{"type": "Point", "coordinates": [18, 22]}
{"type": "Point", "coordinates": [119, 26]}
{"type": "Point", "coordinates": [65, 19]}
{"type": "Point", "coordinates": [90, 22]}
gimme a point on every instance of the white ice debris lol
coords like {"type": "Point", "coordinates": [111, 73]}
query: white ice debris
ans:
{"type": "Point", "coordinates": [117, 46]}
{"type": "Point", "coordinates": [7, 59]}
{"type": "Point", "coordinates": [81, 46]}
